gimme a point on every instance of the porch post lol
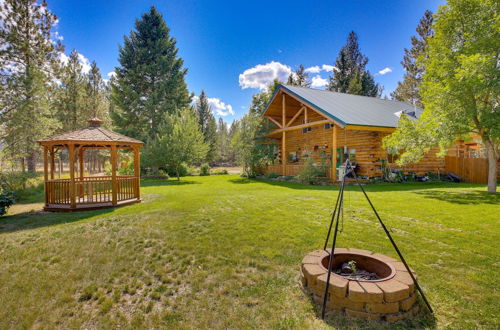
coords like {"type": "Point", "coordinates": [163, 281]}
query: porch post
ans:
{"type": "Point", "coordinates": [334, 154]}
{"type": "Point", "coordinates": [113, 175]}
{"type": "Point", "coordinates": [283, 138]}
{"type": "Point", "coordinates": [137, 172]}
{"type": "Point", "coordinates": [46, 173]}
{"type": "Point", "coordinates": [72, 190]}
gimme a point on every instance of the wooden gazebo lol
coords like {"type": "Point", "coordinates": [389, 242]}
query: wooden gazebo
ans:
{"type": "Point", "coordinates": [89, 192]}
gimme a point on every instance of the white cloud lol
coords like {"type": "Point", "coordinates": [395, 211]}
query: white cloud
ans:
{"type": "Point", "coordinates": [385, 71]}
{"type": "Point", "coordinates": [85, 63]}
{"type": "Point", "coordinates": [317, 81]}
{"type": "Point", "coordinates": [327, 67]}
{"type": "Point", "coordinates": [313, 69]}
{"type": "Point", "coordinates": [261, 75]}
{"type": "Point", "coordinates": [111, 74]}
{"type": "Point", "coordinates": [219, 108]}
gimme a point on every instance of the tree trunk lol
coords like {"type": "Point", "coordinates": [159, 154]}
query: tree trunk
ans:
{"type": "Point", "coordinates": [492, 167]}
{"type": "Point", "coordinates": [31, 161]}
{"type": "Point", "coordinates": [177, 172]}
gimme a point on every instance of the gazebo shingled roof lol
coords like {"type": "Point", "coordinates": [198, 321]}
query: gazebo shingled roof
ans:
{"type": "Point", "coordinates": [93, 133]}
{"type": "Point", "coordinates": [89, 192]}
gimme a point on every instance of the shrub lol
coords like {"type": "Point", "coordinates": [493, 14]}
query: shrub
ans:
{"type": "Point", "coordinates": [204, 170]}
{"type": "Point", "coordinates": [219, 171]}
{"type": "Point", "coordinates": [273, 175]}
{"type": "Point", "coordinates": [310, 174]}
{"type": "Point", "coordinates": [6, 201]}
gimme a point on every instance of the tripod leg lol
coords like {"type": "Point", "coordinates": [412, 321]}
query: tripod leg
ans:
{"type": "Point", "coordinates": [393, 243]}
{"type": "Point", "coordinates": [332, 220]}
{"type": "Point", "coordinates": [332, 253]}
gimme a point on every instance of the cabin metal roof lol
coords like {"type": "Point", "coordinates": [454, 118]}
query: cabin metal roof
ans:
{"type": "Point", "coordinates": [348, 109]}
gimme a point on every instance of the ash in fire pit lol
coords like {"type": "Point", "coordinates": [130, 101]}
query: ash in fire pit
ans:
{"type": "Point", "coordinates": [351, 271]}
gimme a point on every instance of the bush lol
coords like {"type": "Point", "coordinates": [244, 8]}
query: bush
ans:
{"type": "Point", "coordinates": [184, 170]}
{"type": "Point", "coordinates": [204, 170]}
{"type": "Point", "coordinates": [6, 201]}
{"type": "Point", "coordinates": [219, 171]}
{"type": "Point", "coordinates": [273, 175]}
{"type": "Point", "coordinates": [310, 174]}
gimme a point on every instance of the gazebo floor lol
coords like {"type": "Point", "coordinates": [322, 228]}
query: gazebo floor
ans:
{"type": "Point", "coordinates": [88, 207]}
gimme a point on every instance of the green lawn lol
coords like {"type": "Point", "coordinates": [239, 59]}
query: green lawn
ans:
{"type": "Point", "coordinates": [224, 252]}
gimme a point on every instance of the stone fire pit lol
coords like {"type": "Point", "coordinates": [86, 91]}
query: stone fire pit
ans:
{"type": "Point", "coordinates": [391, 297]}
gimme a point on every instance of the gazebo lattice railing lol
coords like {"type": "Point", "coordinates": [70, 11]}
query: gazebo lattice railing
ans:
{"type": "Point", "coordinates": [89, 192]}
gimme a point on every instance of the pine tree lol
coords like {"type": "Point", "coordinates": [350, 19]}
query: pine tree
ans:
{"type": "Point", "coordinates": [95, 95]}
{"type": "Point", "coordinates": [150, 79]}
{"type": "Point", "coordinates": [299, 78]}
{"type": "Point", "coordinates": [408, 89]}
{"type": "Point", "coordinates": [223, 141]}
{"type": "Point", "coordinates": [208, 125]}
{"type": "Point", "coordinates": [350, 74]}
{"type": "Point", "coordinates": [27, 60]}
{"type": "Point", "coordinates": [260, 100]}
{"type": "Point", "coordinates": [70, 103]}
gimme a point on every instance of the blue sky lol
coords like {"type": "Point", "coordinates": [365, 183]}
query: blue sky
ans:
{"type": "Point", "coordinates": [231, 48]}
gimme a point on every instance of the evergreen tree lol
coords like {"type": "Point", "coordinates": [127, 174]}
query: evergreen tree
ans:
{"type": "Point", "coordinates": [27, 60]}
{"type": "Point", "coordinates": [223, 141]}
{"type": "Point", "coordinates": [70, 103]}
{"type": "Point", "coordinates": [260, 100]}
{"type": "Point", "coordinates": [408, 89]}
{"type": "Point", "coordinates": [208, 125]}
{"type": "Point", "coordinates": [299, 78]}
{"type": "Point", "coordinates": [95, 95]}
{"type": "Point", "coordinates": [350, 74]}
{"type": "Point", "coordinates": [150, 79]}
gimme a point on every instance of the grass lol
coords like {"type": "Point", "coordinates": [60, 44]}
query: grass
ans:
{"type": "Point", "coordinates": [224, 252]}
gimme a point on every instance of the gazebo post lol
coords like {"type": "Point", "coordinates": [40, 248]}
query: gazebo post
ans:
{"type": "Point", "coordinates": [72, 192]}
{"type": "Point", "coordinates": [113, 175]}
{"type": "Point", "coordinates": [137, 172]}
{"type": "Point", "coordinates": [46, 173]}
{"type": "Point", "coordinates": [52, 162]}
{"type": "Point", "coordinates": [81, 152]}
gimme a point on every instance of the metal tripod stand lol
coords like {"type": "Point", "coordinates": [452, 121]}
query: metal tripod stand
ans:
{"type": "Point", "coordinates": [339, 204]}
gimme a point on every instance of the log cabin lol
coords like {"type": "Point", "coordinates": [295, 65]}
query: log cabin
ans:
{"type": "Point", "coordinates": [329, 127]}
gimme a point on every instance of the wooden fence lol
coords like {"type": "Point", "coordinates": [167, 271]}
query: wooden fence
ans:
{"type": "Point", "coordinates": [468, 169]}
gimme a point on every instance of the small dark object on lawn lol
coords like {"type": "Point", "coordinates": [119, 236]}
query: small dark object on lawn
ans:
{"type": "Point", "coordinates": [453, 177]}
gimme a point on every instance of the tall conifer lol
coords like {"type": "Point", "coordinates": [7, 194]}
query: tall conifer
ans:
{"type": "Point", "coordinates": [150, 79]}
{"type": "Point", "coordinates": [27, 58]}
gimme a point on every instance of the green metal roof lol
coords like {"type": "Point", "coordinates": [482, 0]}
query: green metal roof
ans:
{"type": "Point", "coordinates": [348, 109]}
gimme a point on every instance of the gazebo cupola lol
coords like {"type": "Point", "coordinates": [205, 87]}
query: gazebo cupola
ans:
{"type": "Point", "coordinates": [80, 191]}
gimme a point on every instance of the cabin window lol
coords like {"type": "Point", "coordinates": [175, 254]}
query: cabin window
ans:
{"type": "Point", "coordinates": [328, 126]}
{"type": "Point", "coordinates": [293, 157]}
{"type": "Point", "coordinates": [307, 129]}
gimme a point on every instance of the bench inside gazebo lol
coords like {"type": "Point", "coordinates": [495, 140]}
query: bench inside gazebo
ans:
{"type": "Point", "coordinates": [85, 192]}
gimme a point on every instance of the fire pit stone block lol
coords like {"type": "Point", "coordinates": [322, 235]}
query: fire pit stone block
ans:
{"type": "Point", "coordinates": [390, 298]}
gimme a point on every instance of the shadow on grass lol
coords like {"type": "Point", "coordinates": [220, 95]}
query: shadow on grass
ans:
{"type": "Point", "coordinates": [424, 319]}
{"type": "Point", "coordinates": [369, 187]}
{"type": "Point", "coordinates": [163, 182]}
{"type": "Point", "coordinates": [472, 197]}
{"type": "Point", "coordinates": [38, 219]}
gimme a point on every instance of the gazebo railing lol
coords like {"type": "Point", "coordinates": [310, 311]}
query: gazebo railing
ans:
{"type": "Point", "coordinates": [92, 190]}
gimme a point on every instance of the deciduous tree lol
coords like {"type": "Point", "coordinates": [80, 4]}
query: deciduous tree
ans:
{"type": "Point", "coordinates": [460, 89]}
